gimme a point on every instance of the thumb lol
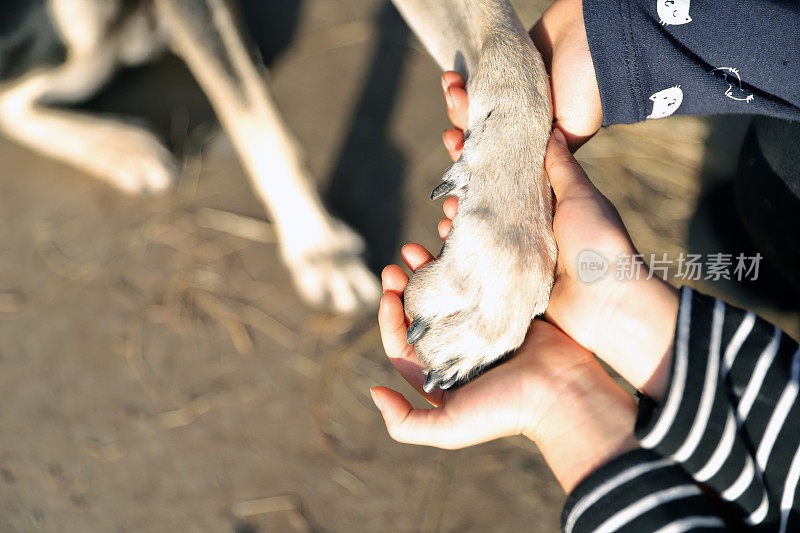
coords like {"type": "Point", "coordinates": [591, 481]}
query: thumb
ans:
{"type": "Point", "coordinates": [429, 427]}
{"type": "Point", "coordinates": [567, 177]}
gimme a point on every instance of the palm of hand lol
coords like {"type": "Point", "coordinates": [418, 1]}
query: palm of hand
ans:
{"type": "Point", "coordinates": [585, 221]}
{"type": "Point", "coordinates": [517, 397]}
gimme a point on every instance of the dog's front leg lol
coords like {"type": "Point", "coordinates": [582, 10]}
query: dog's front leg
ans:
{"type": "Point", "coordinates": [475, 302]}
{"type": "Point", "coordinates": [322, 254]}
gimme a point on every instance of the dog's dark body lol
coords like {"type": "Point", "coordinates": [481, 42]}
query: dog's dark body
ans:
{"type": "Point", "coordinates": [28, 39]}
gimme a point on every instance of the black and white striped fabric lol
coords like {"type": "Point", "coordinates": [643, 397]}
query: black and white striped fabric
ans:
{"type": "Point", "coordinates": [725, 440]}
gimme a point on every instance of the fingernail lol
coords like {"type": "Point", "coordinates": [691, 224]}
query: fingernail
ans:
{"type": "Point", "coordinates": [449, 98]}
{"type": "Point", "coordinates": [558, 135]}
{"type": "Point", "coordinates": [375, 400]}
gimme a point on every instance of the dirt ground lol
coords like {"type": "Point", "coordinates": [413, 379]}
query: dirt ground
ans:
{"type": "Point", "coordinates": [157, 371]}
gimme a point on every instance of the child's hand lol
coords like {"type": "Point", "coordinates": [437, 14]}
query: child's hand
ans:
{"type": "Point", "coordinates": [553, 391]}
{"type": "Point", "coordinates": [628, 323]}
{"type": "Point", "coordinates": [560, 36]}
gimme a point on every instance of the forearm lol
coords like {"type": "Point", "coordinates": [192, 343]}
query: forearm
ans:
{"type": "Point", "coordinates": [592, 424]}
{"type": "Point", "coordinates": [636, 337]}
{"type": "Point", "coordinates": [614, 485]}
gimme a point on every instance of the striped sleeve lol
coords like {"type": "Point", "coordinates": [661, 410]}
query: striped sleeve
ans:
{"type": "Point", "coordinates": [730, 417]}
{"type": "Point", "coordinates": [639, 492]}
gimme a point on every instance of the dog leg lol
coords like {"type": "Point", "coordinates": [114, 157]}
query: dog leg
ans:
{"type": "Point", "coordinates": [322, 254]}
{"type": "Point", "coordinates": [124, 156]}
{"type": "Point", "coordinates": [476, 301]}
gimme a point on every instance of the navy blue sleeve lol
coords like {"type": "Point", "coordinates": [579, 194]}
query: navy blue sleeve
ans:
{"type": "Point", "coordinates": [655, 58]}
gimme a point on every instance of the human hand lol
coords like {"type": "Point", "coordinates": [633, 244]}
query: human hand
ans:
{"type": "Point", "coordinates": [628, 323]}
{"type": "Point", "coordinates": [552, 390]}
{"type": "Point", "coordinates": [560, 36]}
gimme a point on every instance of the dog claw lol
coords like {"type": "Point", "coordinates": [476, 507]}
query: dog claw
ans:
{"type": "Point", "coordinates": [431, 382]}
{"type": "Point", "coordinates": [442, 189]}
{"type": "Point", "coordinates": [449, 383]}
{"type": "Point", "coordinates": [416, 330]}
{"type": "Point", "coordinates": [435, 379]}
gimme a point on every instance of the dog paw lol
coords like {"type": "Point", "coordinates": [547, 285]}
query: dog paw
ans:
{"type": "Point", "coordinates": [329, 272]}
{"type": "Point", "coordinates": [136, 163]}
{"type": "Point", "coordinates": [475, 302]}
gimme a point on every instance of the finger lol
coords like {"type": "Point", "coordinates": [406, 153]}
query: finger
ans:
{"type": "Point", "coordinates": [431, 427]}
{"type": "Point", "coordinates": [450, 207]}
{"type": "Point", "coordinates": [415, 256]}
{"type": "Point", "coordinates": [451, 78]}
{"type": "Point", "coordinates": [393, 279]}
{"type": "Point", "coordinates": [392, 325]}
{"type": "Point", "coordinates": [453, 142]}
{"type": "Point", "coordinates": [445, 225]}
{"type": "Point", "coordinates": [574, 141]}
{"type": "Point", "coordinates": [567, 177]}
{"type": "Point", "coordinates": [457, 106]}
{"type": "Point", "coordinates": [412, 371]}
